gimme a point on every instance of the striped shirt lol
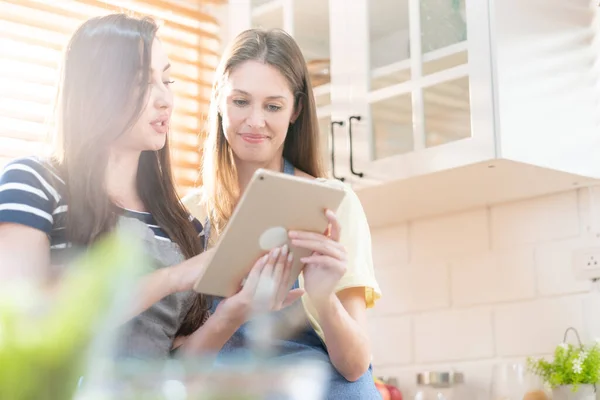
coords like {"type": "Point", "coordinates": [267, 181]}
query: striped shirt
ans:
{"type": "Point", "coordinates": [33, 194]}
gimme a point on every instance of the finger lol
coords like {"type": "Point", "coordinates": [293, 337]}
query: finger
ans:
{"type": "Point", "coordinates": [326, 247]}
{"type": "Point", "coordinates": [317, 237]}
{"type": "Point", "coordinates": [292, 296]}
{"type": "Point", "coordinates": [266, 286]}
{"type": "Point", "coordinates": [283, 284]}
{"type": "Point", "coordinates": [322, 260]}
{"type": "Point", "coordinates": [278, 272]}
{"type": "Point", "coordinates": [305, 235]}
{"type": "Point", "coordinates": [271, 261]}
{"type": "Point", "coordinates": [280, 262]}
{"type": "Point", "coordinates": [335, 228]}
{"type": "Point", "coordinates": [254, 275]}
{"type": "Point", "coordinates": [327, 230]}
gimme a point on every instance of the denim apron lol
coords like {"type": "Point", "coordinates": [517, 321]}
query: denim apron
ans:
{"type": "Point", "coordinates": [306, 344]}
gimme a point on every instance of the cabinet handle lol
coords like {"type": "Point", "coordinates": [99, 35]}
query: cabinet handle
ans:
{"type": "Point", "coordinates": [333, 123]}
{"type": "Point", "coordinates": [358, 118]}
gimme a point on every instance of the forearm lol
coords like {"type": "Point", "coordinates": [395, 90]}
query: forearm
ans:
{"type": "Point", "coordinates": [210, 337]}
{"type": "Point", "coordinates": [347, 344]}
{"type": "Point", "coordinates": [156, 285]}
{"type": "Point", "coordinates": [150, 289]}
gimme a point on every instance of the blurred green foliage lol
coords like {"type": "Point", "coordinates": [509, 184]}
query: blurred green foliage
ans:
{"type": "Point", "coordinates": [45, 342]}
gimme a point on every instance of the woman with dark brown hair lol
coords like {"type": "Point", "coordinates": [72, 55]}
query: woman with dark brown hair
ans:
{"type": "Point", "coordinates": [111, 166]}
{"type": "Point", "coordinates": [263, 115]}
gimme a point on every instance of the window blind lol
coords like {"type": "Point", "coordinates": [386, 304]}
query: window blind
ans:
{"type": "Point", "coordinates": [33, 34]}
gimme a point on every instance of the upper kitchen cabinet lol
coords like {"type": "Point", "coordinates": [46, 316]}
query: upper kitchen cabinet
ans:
{"type": "Point", "coordinates": [404, 70]}
{"type": "Point", "coordinates": [433, 106]}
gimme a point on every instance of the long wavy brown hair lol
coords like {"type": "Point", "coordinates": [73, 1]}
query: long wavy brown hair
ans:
{"type": "Point", "coordinates": [301, 148]}
{"type": "Point", "coordinates": [100, 98]}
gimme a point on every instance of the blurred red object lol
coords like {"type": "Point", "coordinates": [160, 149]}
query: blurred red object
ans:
{"type": "Point", "coordinates": [383, 390]}
{"type": "Point", "coordinates": [395, 393]}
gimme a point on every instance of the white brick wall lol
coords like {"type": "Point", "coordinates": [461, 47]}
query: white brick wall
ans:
{"type": "Point", "coordinates": [434, 239]}
{"type": "Point", "coordinates": [471, 289]}
{"type": "Point", "coordinates": [454, 335]}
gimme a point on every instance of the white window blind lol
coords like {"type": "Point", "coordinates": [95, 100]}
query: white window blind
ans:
{"type": "Point", "coordinates": [33, 34]}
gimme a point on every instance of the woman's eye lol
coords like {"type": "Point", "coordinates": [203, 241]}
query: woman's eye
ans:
{"type": "Point", "coordinates": [166, 83]}
{"type": "Point", "coordinates": [273, 108]}
{"type": "Point", "coordinates": [240, 102]}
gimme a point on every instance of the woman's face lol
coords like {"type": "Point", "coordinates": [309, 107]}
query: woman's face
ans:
{"type": "Point", "coordinates": [257, 107]}
{"type": "Point", "coordinates": [150, 131]}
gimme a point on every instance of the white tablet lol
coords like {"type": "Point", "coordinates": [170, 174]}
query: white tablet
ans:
{"type": "Point", "coordinates": [273, 204]}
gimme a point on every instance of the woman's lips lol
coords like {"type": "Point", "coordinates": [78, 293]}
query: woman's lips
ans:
{"type": "Point", "coordinates": [253, 138]}
{"type": "Point", "coordinates": [160, 127]}
{"type": "Point", "coordinates": [161, 124]}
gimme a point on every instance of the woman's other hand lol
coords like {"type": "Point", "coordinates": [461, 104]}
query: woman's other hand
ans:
{"type": "Point", "coordinates": [265, 289]}
{"type": "Point", "coordinates": [327, 264]}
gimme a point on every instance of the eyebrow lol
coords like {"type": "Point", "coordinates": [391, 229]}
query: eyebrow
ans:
{"type": "Point", "coordinates": [268, 97]}
{"type": "Point", "coordinates": [165, 68]}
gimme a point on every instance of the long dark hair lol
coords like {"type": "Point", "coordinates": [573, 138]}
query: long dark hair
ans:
{"type": "Point", "coordinates": [102, 94]}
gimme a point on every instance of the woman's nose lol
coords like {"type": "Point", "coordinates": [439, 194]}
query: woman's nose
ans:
{"type": "Point", "coordinates": [164, 99]}
{"type": "Point", "coordinates": [256, 119]}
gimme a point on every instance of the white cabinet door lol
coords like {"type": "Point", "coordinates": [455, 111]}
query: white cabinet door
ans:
{"type": "Point", "coordinates": [418, 74]}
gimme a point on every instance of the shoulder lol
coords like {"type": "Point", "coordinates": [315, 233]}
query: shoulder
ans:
{"type": "Point", "coordinates": [351, 202]}
{"type": "Point", "coordinates": [39, 165]}
{"type": "Point", "coordinates": [33, 175]}
{"type": "Point", "coordinates": [34, 172]}
{"type": "Point", "coordinates": [30, 193]}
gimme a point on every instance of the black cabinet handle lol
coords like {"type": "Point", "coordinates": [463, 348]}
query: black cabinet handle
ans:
{"type": "Point", "coordinates": [358, 118]}
{"type": "Point", "coordinates": [333, 123]}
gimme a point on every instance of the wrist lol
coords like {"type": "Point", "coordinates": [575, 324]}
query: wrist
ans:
{"type": "Point", "coordinates": [173, 278]}
{"type": "Point", "coordinates": [325, 304]}
{"type": "Point", "coordinates": [228, 320]}
{"type": "Point", "coordinates": [183, 276]}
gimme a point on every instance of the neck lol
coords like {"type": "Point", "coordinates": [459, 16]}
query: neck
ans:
{"type": "Point", "coordinates": [121, 179]}
{"type": "Point", "coordinates": [246, 169]}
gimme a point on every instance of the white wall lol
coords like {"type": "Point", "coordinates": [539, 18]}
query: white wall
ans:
{"type": "Point", "coordinates": [466, 290]}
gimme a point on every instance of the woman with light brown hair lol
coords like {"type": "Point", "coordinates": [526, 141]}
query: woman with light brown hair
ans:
{"type": "Point", "coordinates": [263, 115]}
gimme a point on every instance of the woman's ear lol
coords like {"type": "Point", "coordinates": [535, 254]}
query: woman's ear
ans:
{"type": "Point", "coordinates": [296, 112]}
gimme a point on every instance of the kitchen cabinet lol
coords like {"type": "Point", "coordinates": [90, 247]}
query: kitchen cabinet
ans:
{"type": "Point", "coordinates": [460, 103]}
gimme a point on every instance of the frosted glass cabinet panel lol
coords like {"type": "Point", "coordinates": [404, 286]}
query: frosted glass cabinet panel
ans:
{"type": "Point", "coordinates": [267, 15]}
{"type": "Point", "coordinates": [419, 57]}
{"type": "Point", "coordinates": [443, 34]}
{"type": "Point", "coordinates": [447, 112]}
{"type": "Point", "coordinates": [392, 126]}
{"type": "Point", "coordinates": [443, 23]}
{"type": "Point", "coordinates": [389, 43]}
